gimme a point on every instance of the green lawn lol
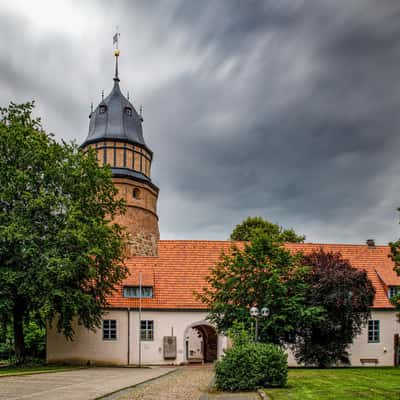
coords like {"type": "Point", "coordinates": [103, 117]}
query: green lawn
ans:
{"type": "Point", "coordinates": [340, 384]}
{"type": "Point", "coordinates": [8, 371]}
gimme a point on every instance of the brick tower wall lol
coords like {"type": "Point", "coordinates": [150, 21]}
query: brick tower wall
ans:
{"type": "Point", "coordinates": [140, 219]}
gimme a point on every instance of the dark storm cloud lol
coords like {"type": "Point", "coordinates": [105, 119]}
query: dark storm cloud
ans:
{"type": "Point", "coordinates": [288, 109]}
{"type": "Point", "coordinates": [31, 69]}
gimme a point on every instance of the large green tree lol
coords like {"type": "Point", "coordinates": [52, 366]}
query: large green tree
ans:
{"type": "Point", "coordinates": [346, 295]}
{"type": "Point", "coordinates": [252, 227]}
{"type": "Point", "coordinates": [395, 256]}
{"type": "Point", "coordinates": [263, 274]}
{"type": "Point", "coordinates": [60, 254]}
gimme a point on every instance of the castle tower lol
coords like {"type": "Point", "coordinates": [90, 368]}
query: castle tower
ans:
{"type": "Point", "coordinates": [115, 132]}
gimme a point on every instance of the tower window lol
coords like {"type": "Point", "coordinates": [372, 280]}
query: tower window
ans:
{"type": "Point", "coordinates": [102, 109]}
{"type": "Point", "coordinates": [128, 111]}
{"type": "Point", "coordinates": [136, 193]}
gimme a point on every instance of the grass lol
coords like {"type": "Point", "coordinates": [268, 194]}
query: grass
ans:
{"type": "Point", "coordinates": [11, 371]}
{"type": "Point", "coordinates": [340, 384]}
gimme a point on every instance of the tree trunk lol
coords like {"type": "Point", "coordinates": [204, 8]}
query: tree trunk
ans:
{"type": "Point", "coordinates": [19, 342]}
{"type": "Point", "coordinates": [3, 337]}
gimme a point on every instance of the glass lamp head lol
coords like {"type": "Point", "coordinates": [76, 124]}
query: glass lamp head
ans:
{"type": "Point", "coordinates": [265, 312]}
{"type": "Point", "coordinates": [254, 312]}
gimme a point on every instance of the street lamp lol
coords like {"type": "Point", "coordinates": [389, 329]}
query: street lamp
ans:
{"type": "Point", "coordinates": [255, 313]}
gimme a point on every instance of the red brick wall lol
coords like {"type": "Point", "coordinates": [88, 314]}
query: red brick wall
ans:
{"type": "Point", "coordinates": [140, 218]}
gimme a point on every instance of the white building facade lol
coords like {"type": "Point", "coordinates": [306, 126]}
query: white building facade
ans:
{"type": "Point", "coordinates": [195, 340]}
{"type": "Point", "coordinates": [377, 345]}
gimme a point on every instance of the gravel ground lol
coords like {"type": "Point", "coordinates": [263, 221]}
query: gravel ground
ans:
{"type": "Point", "coordinates": [185, 384]}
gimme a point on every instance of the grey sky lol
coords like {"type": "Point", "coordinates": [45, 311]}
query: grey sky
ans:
{"type": "Point", "coordinates": [284, 109]}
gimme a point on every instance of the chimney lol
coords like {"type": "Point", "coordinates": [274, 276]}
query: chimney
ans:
{"type": "Point", "coordinates": [371, 243]}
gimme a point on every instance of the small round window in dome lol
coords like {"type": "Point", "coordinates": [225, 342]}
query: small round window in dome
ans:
{"type": "Point", "coordinates": [136, 193]}
{"type": "Point", "coordinates": [103, 109]}
{"type": "Point", "coordinates": [128, 111]}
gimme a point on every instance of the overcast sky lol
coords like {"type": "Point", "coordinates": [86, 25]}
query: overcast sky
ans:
{"type": "Point", "coordinates": [284, 109]}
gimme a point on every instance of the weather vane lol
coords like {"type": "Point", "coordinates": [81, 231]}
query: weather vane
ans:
{"type": "Point", "coordinates": [115, 38]}
{"type": "Point", "coordinates": [116, 52]}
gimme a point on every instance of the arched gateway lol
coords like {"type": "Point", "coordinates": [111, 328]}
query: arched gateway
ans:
{"type": "Point", "coordinates": [201, 343]}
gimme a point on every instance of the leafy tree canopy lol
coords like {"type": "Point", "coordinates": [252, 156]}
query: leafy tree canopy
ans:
{"type": "Point", "coordinates": [60, 254]}
{"type": "Point", "coordinates": [395, 256]}
{"type": "Point", "coordinates": [252, 227]}
{"type": "Point", "coordinates": [263, 274]}
{"type": "Point", "coordinates": [346, 295]}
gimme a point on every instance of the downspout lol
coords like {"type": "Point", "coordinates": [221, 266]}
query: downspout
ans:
{"type": "Point", "coordinates": [140, 319]}
{"type": "Point", "coordinates": [129, 336]}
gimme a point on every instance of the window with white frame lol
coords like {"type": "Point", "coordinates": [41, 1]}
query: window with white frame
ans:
{"type": "Point", "coordinates": [393, 291]}
{"type": "Point", "coordinates": [146, 330]}
{"type": "Point", "coordinates": [109, 329]}
{"type": "Point", "coordinates": [373, 331]}
{"type": "Point", "coordinates": [134, 291]}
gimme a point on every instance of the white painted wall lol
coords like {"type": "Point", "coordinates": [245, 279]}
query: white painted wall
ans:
{"type": "Point", "coordinates": [164, 323]}
{"type": "Point", "coordinates": [383, 351]}
{"type": "Point", "coordinates": [90, 346]}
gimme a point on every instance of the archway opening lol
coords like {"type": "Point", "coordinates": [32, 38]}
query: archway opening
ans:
{"type": "Point", "coordinates": [201, 344]}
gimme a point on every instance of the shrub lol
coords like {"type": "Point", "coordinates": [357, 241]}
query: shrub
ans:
{"type": "Point", "coordinates": [238, 334]}
{"type": "Point", "coordinates": [250, 366]}
{"type": "Point", "coordinates": [35, 341]}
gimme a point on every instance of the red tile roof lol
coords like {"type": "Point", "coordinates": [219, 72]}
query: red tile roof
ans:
{"type": "Point", "coordinates": [182, 266]}
{"type": "Point", "coordinates": [375, 261]}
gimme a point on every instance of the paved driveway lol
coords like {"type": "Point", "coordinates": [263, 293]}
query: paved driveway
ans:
{"type": "Point", "coordinates": [82, 384]}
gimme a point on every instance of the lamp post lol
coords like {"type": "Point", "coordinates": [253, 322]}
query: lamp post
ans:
{"type": "Point", "coordinates": [255, 313]}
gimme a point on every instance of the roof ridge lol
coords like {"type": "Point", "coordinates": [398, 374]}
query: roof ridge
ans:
{"type": "Point", "coordinates": [361, 245]}
{"type": "Point", "coordinates": [200, 240]}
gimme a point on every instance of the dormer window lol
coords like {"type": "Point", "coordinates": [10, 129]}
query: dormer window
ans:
{"type": "Point", "coordinates": [128, 111]}
{"type": "Point", "coordinates": [102, 109]}
{"type": "Point", "coordinates": [393, 291]}
{"type": "Point", "coordinates": [134, 292]}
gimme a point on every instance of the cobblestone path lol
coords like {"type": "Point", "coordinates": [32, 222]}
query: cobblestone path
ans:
{"type": "Point", "coordinates": [187, 383]}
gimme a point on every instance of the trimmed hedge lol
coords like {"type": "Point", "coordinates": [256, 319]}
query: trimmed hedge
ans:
{"type": "Point", "coordinates": [250, 366]}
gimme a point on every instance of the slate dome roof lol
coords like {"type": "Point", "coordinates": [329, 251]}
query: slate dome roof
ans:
{"type": "Point", "coordinates": [115, 118]}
